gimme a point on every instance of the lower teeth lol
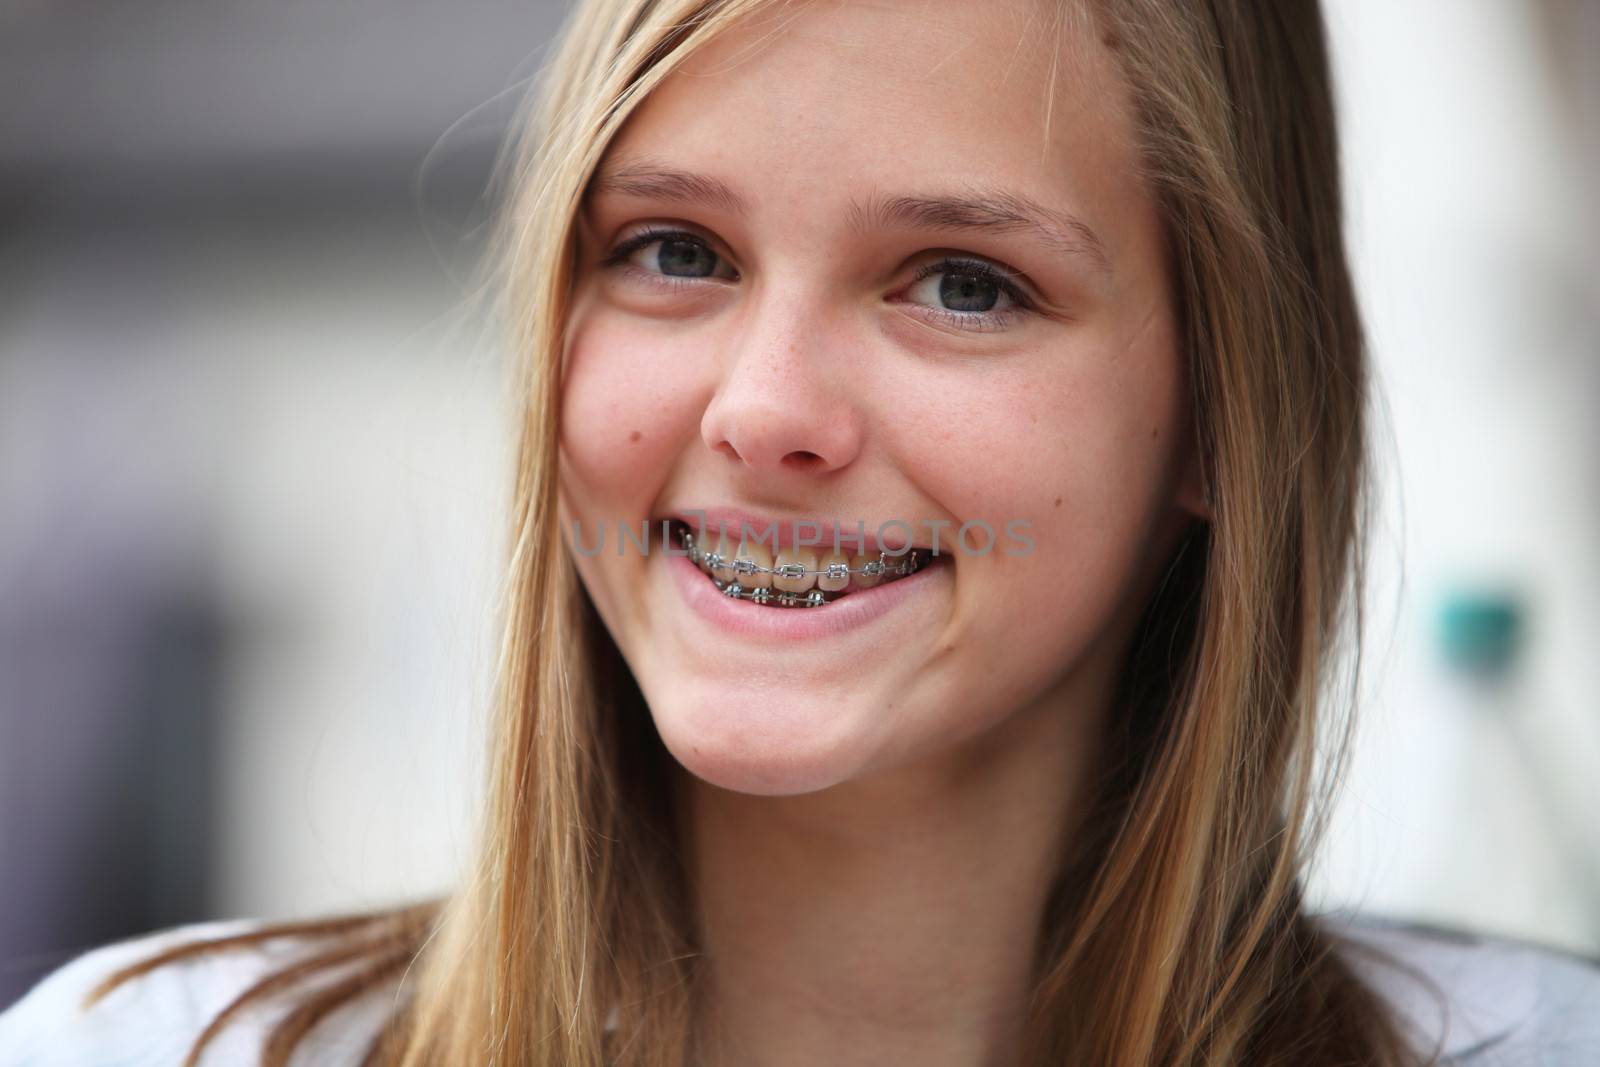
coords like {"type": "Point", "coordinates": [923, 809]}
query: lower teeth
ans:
{"type": "Point", "coordinates": [780, 598]}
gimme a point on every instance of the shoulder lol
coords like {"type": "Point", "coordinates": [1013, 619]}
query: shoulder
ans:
{"type": "Point", "coordinates": [1483, 1000]}
{"type": "Point", "coordinates": [154, 1019]}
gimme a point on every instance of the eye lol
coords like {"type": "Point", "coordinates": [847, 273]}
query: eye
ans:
{"type": "Point", "coordinates": [670, 257]}
{"type": "Point", "coordinates": [970, 294]}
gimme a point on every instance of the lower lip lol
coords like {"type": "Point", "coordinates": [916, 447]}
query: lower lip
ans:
{"type": "Point", "coordinates": [851, 612]}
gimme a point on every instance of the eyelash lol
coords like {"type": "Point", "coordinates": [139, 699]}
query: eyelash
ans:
{"type": "Point", "coordinates": [619, 256]}
{"type": "Point", "coordinates": [976, 322]}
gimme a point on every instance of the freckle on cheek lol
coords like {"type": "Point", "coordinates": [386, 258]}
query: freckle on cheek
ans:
{"type": "Point", "coordinates": [634, 437]}
{"type": "Point", "coordinates": [1058, 502]}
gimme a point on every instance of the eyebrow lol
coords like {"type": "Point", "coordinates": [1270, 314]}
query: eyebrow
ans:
{"type": "Point", "coordinates": [652, 181]}
{"type": "Point", "coordinates": [991, 211]}
{"type": "Point", "coordinates": [974, 210]}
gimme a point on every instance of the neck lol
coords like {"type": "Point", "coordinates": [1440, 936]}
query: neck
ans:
{"type": "Point", "coordinates": [892, 918]}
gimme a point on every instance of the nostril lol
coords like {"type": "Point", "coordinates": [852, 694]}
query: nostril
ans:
{"type": "Point", "coordinates": [802, 459]}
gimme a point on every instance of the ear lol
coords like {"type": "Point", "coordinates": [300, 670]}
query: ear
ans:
{"type": "Point", "coordinates": [1191, 487]}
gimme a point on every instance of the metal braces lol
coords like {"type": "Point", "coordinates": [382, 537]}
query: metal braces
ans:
{"type": "Point", "coordinates": [873, 568]}
{"type": "Point", "coordinates": [783, 598]}
{"type": "Point", "coordinates": [760, 594]}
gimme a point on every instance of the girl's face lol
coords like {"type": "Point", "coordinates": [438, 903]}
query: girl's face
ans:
{"type": "Point", "coordinates": [860, 266]}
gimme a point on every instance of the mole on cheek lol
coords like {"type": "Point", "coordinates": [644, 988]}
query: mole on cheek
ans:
{"type": "Point", "coordinates": [1058, 502]}
{"type": "Point", "coordinates": [633, 438]}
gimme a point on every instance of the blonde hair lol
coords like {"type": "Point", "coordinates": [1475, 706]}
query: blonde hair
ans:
{"type": "Point", "coordinates": [1176, 932]}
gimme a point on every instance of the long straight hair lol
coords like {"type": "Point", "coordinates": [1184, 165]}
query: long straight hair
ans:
{"type": "Point", "coordinates": [1175, 932]}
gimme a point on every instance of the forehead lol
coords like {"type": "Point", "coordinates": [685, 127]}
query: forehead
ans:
{"type": "Point", "coordinates": [828, 97]}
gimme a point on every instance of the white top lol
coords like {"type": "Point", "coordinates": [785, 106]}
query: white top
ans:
{"type": "Point", "coordinates": [153, 1020]}
{"type": "Point", "coordinates": [1510, 1004]}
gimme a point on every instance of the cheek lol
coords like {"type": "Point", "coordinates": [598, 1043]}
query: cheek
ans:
{"type": "Point", "coordinates": [1103, 458]}
{"type": "Point", "coordinates": [1081, 449]}
{"type": "Point", "coordinates": [1085, 453]}
{"type": "Point", "coordinates": [624, 413]}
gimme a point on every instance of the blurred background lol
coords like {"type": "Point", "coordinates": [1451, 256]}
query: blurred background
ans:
{"type": "Point", "coordinates": [253, 450]}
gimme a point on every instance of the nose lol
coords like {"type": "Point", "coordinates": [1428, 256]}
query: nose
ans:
{"type": "Point", "coordinates": [783, 406]}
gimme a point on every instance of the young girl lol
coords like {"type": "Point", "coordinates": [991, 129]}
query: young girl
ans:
{"type": "Point", "coordinates": [938, 501]}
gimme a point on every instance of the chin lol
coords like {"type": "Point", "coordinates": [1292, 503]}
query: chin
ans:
{"type": "Point", "coordinates": [758, 742]}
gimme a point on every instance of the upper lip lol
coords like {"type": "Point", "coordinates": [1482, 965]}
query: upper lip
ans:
{"type": "Point", "coordinates": [788, 530]}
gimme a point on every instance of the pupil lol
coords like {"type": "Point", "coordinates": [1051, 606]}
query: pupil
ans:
{"type": "Point", "coordinates": [685, 258]}
{"type": "Point", "coordinates": [968, 292]}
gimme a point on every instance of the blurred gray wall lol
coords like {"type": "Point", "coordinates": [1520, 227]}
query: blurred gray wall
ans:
{"type": "Point", "coordinates": [249, 462]}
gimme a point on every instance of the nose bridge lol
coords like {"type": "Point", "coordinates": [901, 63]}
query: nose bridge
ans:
{"type": "Point", "coordinates": [782, 402]}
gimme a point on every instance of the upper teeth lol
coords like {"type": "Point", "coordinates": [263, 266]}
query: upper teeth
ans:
{"type": "Point", "coordinates": [797, 576]}
{"type": "Point", "coordinates": [834, 570]}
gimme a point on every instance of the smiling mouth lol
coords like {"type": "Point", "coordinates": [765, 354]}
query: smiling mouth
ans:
{"type": "Point", "coordinates": [799, 577]}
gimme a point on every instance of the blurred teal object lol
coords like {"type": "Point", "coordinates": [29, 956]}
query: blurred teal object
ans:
{"type": "Point", "coordinates": [1481, 631]}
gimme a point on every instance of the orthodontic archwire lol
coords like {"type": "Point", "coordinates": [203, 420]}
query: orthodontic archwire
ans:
{"type": "Point", "coordinates": [743, 565]}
